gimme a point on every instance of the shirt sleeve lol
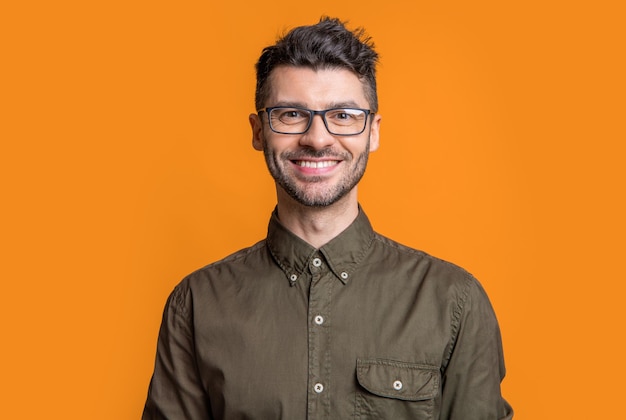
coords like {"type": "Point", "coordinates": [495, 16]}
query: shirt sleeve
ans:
{"type": "Point", "coordinates": [176, 391]}
{"type": "Point", "coordinates": [472, 377]}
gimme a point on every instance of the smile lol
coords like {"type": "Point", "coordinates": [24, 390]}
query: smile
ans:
{"type": "Point", "coordinates": [316, 164]}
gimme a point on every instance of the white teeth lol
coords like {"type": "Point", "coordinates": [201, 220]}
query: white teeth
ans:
{"type": "Point", "coordinates": [323, 164]}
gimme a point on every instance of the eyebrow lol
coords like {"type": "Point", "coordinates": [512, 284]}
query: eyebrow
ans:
{"type": "Point", "coordinates": [346, 104]}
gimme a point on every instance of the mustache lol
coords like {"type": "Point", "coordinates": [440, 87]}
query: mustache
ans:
{"type": "Point", "coordinates": [315, 154]}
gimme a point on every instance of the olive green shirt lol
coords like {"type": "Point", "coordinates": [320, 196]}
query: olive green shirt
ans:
{"type": "Point", "coordinates": [362, 328]}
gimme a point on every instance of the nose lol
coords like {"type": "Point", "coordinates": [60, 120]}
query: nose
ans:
{"type": "Point", "coordinates": [317, 136]}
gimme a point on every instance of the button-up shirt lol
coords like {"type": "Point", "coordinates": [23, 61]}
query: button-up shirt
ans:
{"type": "Point", "coordinates": [361, 328]}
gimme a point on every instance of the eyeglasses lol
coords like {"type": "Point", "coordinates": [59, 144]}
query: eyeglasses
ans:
{"type": "Point", "coordinates": [296, 120]}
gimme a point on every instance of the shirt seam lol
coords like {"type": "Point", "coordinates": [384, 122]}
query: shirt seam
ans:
{"type": "Point", "coordinates": [236, 255]}
{"type": "Point", "coordinates": [457, 313]}
{"type": "Point", "coordinates": [455, 322]}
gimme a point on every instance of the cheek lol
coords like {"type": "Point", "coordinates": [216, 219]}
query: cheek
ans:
{"type": "Point", "coordinates": [278, 145]}
{"type": "Point", "coordinates": [358, 148]}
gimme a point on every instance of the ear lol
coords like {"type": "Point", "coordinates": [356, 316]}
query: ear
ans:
{"type": "Point", "coordinates": [375, 132]}
{"type": "Point", "coordinates": [256, 124]}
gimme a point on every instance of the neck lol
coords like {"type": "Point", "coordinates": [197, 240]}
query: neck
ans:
{"type": "Point", "coordinates": [317, 225]}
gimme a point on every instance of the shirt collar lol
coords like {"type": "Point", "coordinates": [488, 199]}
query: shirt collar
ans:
{"type": "Point", "coordinates": [343, 253]}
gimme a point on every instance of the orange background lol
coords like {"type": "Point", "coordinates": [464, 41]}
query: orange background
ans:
{"type": "Point", "coordinates": [126, 163]}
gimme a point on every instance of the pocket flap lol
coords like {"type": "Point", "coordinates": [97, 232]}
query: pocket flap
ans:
{"type": "Point", "coordinates": [400, 380]}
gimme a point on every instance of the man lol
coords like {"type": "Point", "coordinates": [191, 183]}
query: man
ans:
{"type": "Point", "coordinates": [325, 319]}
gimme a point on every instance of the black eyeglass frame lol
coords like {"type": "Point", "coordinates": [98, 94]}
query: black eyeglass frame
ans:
{"type": "Point", "coordinates": [313, 113]}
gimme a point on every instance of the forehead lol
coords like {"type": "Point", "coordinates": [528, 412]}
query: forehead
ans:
{"type": "Point", "coordinates": [315, 89]}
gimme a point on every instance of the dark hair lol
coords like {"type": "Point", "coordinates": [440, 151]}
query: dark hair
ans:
{"type": "Point", "coordinates": [325, 45]}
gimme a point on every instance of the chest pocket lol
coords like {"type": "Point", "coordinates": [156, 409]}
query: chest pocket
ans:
{"type": "Point", "coordinates": [396, 390]}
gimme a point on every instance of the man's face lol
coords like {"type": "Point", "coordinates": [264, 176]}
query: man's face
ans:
{"type": "Point", "coordinates": [316, 168]}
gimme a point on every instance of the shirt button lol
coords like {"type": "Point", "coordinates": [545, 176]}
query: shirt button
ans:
{"type": "Point", "coordinates": [344, 275]}
{"type": "Point", "coordinates": [317, 262]}
{"type": "Point", "coordinates": [319, 320]}
{"type": "Point", "coordinates": [318, 388]}
{"type": "Point", "coordinates": [293, 277]}
{"type": "Point", "coordinates": [397, 385]}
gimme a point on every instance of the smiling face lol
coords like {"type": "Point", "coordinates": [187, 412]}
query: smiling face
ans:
{"type": "Point", "coordinates": [316, 169]}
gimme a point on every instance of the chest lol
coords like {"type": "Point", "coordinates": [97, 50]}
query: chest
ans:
{"type": "Point", "coordinates": [296, 352]}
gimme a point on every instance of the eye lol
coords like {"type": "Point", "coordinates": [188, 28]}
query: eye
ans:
{"type": "Point", "coordinates": [340, 114]}
{"type": "Point", "coordinates": [291, 115]}
{"type": "Point", "coordinates": [344, 116]}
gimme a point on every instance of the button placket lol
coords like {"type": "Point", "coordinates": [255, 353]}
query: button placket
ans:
{"type": "Point", "coordinates": [320, 293]}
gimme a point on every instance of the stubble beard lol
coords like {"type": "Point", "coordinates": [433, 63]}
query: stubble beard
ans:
{"type": "Point", "coordinates": [313, 195]}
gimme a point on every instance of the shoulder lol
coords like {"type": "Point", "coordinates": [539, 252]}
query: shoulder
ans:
{"type": "Point", "coordinates": [222, 276]}
{"type": "Point", "coordinates": [228, 273]}
{"type": "Point", "coordinates": [442, 279]}
{"type": "Point", "coordinates": [246, 259]}
{"type": "Point", "coordinates": [420, 261]}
